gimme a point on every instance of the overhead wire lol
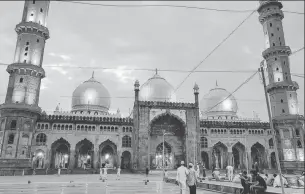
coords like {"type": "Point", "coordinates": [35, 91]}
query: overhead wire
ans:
{"type": "Point", "coordinates": [170, 6]}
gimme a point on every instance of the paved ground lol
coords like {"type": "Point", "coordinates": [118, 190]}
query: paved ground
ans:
{"type": "Point", "coordinates": [86, 184]}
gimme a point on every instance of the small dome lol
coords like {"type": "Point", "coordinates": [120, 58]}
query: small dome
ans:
{"type": "Point", "coordinates": [157, 89]}
{"type": "Point", "coordinates": [209, 104]}
{"type": "Point", "coordinates": [91, 96]}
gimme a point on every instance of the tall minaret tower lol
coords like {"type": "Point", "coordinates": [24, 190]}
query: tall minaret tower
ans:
{"type": "Point", "coordinates": [20, 111]}
{"type": "Point", "coordinates": [281, 89]}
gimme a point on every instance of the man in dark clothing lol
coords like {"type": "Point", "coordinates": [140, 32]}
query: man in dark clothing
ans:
{"type": "Point", "coordinates": [260, 185]}
{"type": "Point", "coordinates": [245, 182]}
{"type": "Point", "coordinates": [146, 172]}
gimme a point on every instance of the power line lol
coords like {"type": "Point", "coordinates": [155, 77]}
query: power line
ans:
{"type": "Point", "coordinates": [245, 82]}
{"type": "Point", "coordinates": [294, 52]}
{"type": "Point", "coordinates": [214, 50]}
{"type": "Point", "coordinates": [170, 6]}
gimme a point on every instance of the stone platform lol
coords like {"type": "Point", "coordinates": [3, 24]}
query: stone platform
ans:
{"type": "Point", "coordinates": [235, 188]}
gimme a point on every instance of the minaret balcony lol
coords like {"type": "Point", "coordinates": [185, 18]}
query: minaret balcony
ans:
{"type": "Point", "coordinates": [32, 27]}
{"type": "Point", "coordinates": [21, 106]}
{"type": "Point", "coordinates": [292, 86]}
{"type": "Point", "coordinates": [262, 4]}
{"type": "Point", "coordinates": [29, 69]}
{"type": "Point", "coordinates": [276, 51]}
{"type": "Point", "coordinates": [288, 118]}
{"type": "Point", "coordinates": [270, 13]}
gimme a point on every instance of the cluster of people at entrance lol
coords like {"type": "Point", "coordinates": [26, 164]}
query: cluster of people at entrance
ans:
{"type": "Point", "coordinates": [254, 183]}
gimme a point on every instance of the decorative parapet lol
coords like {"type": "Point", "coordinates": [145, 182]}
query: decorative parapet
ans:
{"type": "Point", "coordinates": [270, 13]}
{"type": "Point", "coordinates": [91, 114]}
{"type": "Point", "coordinates": [234, 124]}
{"type": "Point", "coordinates": [33, 28]}
{"type": "Point", "coordinates": [262, 4]}
{"type": "Point", "coordinates": [167, 105]}
{"type": "Point", "coordinates": [21, 106]}
{"type": "Point", "coordinates": [85, 119]}
{"type": "Point", "coordinates": [293, 85]}
{"type": "Point", "coordinates": [276, 51]}
{"type": "Point", "coordinates": [32, 70]}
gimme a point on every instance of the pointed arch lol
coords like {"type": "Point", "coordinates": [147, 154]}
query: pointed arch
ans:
{"type": "Point", "coordinates": [159, 116]}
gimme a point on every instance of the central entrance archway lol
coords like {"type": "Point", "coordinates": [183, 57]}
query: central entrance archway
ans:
{"type": "Point", "coordinates": [84, 154]}
{"type": "Point", "coordinates": [108, 154]}
{"type": "Point", "coordinates": [174, 141]}
{"type": "Point", "coordinates": [60, 153]}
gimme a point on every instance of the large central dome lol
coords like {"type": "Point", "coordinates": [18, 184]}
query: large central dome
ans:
{"type": "Point", "coordinates": [91, 96]}
{"type": "Point", "coordinates": [219, 103]}
{"type": "Point", "coordinates": [157, 89]}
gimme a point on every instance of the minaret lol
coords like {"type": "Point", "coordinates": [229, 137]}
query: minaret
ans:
{"type": "Point", "coordinates": [281, 89]}
{"type": "Point", "coordinates": [20, 110]}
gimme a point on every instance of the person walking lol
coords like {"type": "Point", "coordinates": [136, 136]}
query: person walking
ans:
{"type": "Point", "coordinates": [147, 172]}
{"type": "Point", "coordinates": [182, 173]}
{"type": "Point", "coordinates": [192, 179]}
{"type": "Point", "coordinates": [230, 170]}
{"type": "Point", "coordinates": [118, 174]}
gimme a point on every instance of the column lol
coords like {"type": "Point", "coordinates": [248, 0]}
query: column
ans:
{"type": "Point", "coordinates": [249, 159]}
{"type": "Point", "coordinates": [269, 160]}
{"type": "Point", "coordinates": [72, 159]}
{"type": "Point", "coordinates": [230, 159]}
{"type": "Point", "coordinates": [210, 158]}
{"type": "Point", "coordinates": [96, 164]}
{"type": "Point", "coordinates": [119, 154]}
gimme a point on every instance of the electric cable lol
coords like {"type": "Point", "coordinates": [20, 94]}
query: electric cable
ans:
{"type": "Point", "coordinates": [241, 85]}
{"type": "Point", "coordinates": [170, 6]}
{"type": "Point", "coordinates": [214, 49]}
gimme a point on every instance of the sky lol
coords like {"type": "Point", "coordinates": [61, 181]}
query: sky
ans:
{"type": "Point", "coordinates": [148, 38]}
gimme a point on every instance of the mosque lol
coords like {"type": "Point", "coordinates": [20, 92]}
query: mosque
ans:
{"type": "Point", "coordinates": [207, 130]}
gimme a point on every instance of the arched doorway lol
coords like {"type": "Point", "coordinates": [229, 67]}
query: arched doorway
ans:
{"type": "Point", "coordinates": [174, 139]}
{"type": "Point", "coordinates": [39, 159]}
{"type": "Point", "coordinates": [218, 155]}
{"type": "Point", "coordinates": [273, 160]}
{"type": "Point", "coordinates": [84, 154]}
{"type": "Point", "coordinates": [60, 153]}
{"type": "Point", "coordinates": [108, 154]}
{"type": "Point", "coordinates": [126, 160]}
{"type": "Point", "coordinates": [258, 155]}
{"type": "Point", "coordinates": [238, 151]}
{"type": "Point", "coordinates": [168, 157]}
{"type": "Point", "coordinates": [205, 159]}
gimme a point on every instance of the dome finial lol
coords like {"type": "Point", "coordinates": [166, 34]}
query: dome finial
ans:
{"type": "Point", "coordinates": [156, 71]}
{"type": "Point", "coordinates": [216, 84]}
{"type": "Point", "coordinates": [93, 74]}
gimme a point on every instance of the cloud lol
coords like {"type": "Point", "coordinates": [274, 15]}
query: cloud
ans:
{"type": "Point", "coordinates": [123, 75]}
{"type": "Point", "coordinates": [62, 56]}
{"type": "Point", "coordinates": [59, 67]}
{"type": "Point", "coordinates": [246, 50]}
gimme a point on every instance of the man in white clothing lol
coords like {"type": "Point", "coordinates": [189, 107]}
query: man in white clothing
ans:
{"type": "Point", "coordinates": [230, 172]}
{"type": "Point", "coordinates": [182, 173]}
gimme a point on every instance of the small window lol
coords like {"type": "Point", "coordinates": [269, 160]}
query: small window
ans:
{"type": "Point", "coordinates": [272, 34]}
{"type": "Point", "coordinates": [286, 78]}
{"type": "Point", "coordinates": [270, 24]}
{"type": "Point", "coordinates": [283, 111]}
{"type": "Point", "coordinates": [273, 44]}
{"type": "Point", "coordinates": [24, 61]}
{"type": "Point", "coordinates": [278, 29]}
{"type": "Point", "coordinates": [284, 62]}
{"type": "Point", "coordinates": [37, 40]}
{"type": "Point", "coordinates": [290, 95]}
{"type": "Point", "coordinates": [41, 10]}
{"type": "Point", "coordinates": [33, 1]}
{"type": "Point", "coordinates": [275, 59]}
{"type": "Point", "coordinates": [27, 43]}
{"type": "Point", "coordinates": [21, 80]}
{"type": "Point", "coordinates": [26, 48]}
{"type": "Point", "coordinates": [32, 14]}
{"type": "Point", "coordinates": [278, 79]}
{"type": "Point", "coordinates": [280, 43]}
{"type": "Point", "coordinates": [282, 100]}
{"type": "Point", "coordinates": [277, 69]}
{"type": "Point", "coordinates": [25, 54]}
{"type": "Point", "coordinates": [279, 38]}
{"type": "Point", "coordinates": [11, 138]}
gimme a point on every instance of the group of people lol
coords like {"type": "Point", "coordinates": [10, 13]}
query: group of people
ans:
{"type": "Point", "coordinates": [103, 172]}
{"type": "Point", "coordinates": [187, 177]}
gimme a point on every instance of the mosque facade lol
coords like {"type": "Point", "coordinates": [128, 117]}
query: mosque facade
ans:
{"type": "Point", "coordinates": [207, 130]}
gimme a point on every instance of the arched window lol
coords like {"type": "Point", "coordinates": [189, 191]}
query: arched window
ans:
{"type": "Point", "coordinates": [203, 142]}
{"type": "Point", "coordinates": [271, 144]}
{"type": "Point", "coordinates": [126, 141]}
{"type": "Point", "coordinates": [11, 138]}
{"type": "Point", "coordinates": [297, 132]}
{"type": "Point", "coordinates": [41, 139]}
{"type": "Point", "coordinates": [299, 144]}
{"type": "Point", "coordinates": [13, 125]}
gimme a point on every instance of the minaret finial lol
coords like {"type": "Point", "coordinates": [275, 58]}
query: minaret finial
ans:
{"type": "Point", "coordinates": [156, 71]}
{"type": "Point", "coordinates": [93, 74]}
{"type": "Point", "coordinates": [216, 84]}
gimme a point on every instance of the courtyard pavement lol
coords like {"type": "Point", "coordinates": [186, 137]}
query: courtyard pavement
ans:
{"type": "Point", "coordinates": [87, 184]}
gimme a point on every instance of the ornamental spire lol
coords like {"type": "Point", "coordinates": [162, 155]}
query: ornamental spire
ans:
{"type": "Point", "coordinates": [216, 84]}
{"type": "Point", "coordinates": [156, 71]}
{"type": "Point", "coordinates": [93, 74]}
